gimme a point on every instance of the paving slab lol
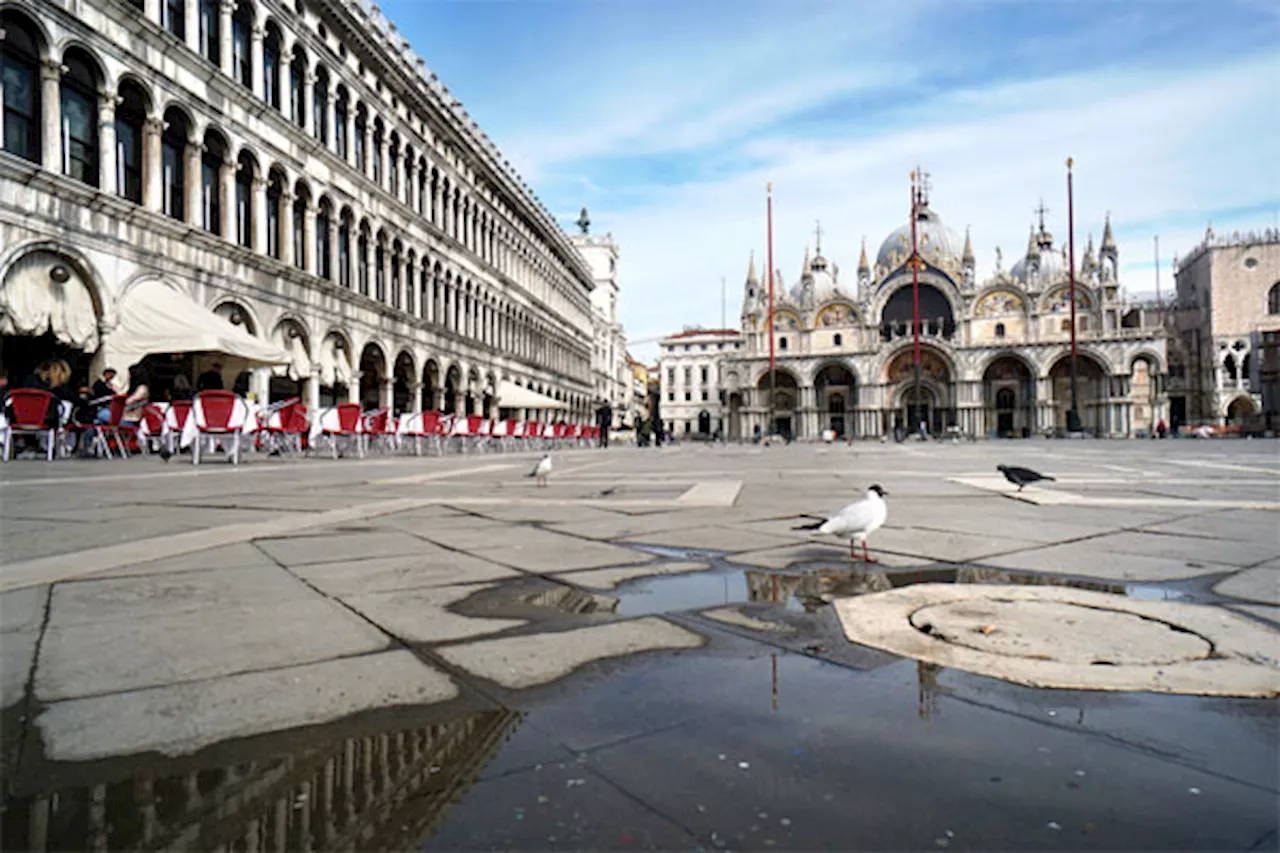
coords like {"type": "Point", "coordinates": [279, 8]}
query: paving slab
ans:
{"type": "Point", "coordinates": [543, 551]}
{"type": "Point", "coordinates": [23, 609]}
{"type": "Point", "coordinates": [1260, 584]}
{"type": "Point", "coordinates": [192, 646]}
{"type": "Point", "coordinates": [17, 653]}
{"type": "Point", "coordinates": [611, 578]}
{"type": "Point", "coordinates": [1236, 524]}
{"type": "Point", "coordinates": [183, 718]}
{"type": "Point", "coordinates": [434, 566]}
{"type": "Point", "coordinates": [1089, 558]}
{"type": "Point", "coordinates": [333, 547]}
{"type": "Point", "coordinates": [521, 662]}
{"type": "Point", "coordinates": [614, 526]}
{"type": "Point", "coordinates": [712, 538]}
{"type": "Point", "coordinates": [215, 591]}
{"type": "Point", "coordinates": [830, 551]}
{"type": "Point", "coordinates": [1235, 552]}
{"type": "Point", "coordinates": [420, 615]}
{"type": "Point", "coordinates": [238, 555]}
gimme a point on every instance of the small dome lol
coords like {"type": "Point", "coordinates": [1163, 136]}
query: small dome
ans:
{"type": "Point", "coordinates": [1053, 261]}
{"type": "Point", "coordinates": [938, 244]}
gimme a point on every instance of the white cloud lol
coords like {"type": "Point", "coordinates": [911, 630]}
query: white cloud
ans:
{"type": "Point", "coordinates": [1155, 152]}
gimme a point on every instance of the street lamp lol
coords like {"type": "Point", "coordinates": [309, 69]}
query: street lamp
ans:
{"type": "Point", "coordinates": [1073, 414]}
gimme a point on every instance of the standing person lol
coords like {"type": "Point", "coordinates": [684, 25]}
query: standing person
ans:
{"type": "Point", "coordinates": [604, 420]}
{"type": "Point", "coordinates": [1162, 428]}
{"type": "Point", "coordinates": [211, 379]}
{"type": "Point", "coordinates": [659, 432]}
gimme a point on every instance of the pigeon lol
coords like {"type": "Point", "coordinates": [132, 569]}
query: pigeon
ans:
{"type": "Point", "coordinates": [855, 522]}
{"type": "Point", "coordinates": [1021, 476]}
{"type": "Point", "coordinates": [541, 470]}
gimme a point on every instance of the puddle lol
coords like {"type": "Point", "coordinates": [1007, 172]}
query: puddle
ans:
{"type": "Point", "coordinates": [571, 600]}
{"type": "Point", "coordinates": [672, 553]}
{"type": "Point", "coordinates": [384, 789]}
{"type": "Point", "coordinates": [809, 589]}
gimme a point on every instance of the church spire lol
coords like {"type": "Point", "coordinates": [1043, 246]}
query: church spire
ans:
{"type": "Point", "coordinates": [863, 265]}
{"type": "Point", "coordinates": [967, 255]}
{"type": "Point", "coordinates": [1108, 239]}
{"type": "Point", "coordinates": [804, 267]}
{"type": "Point", "coordinates": [1033, 245]}
{"type": "Point", "coordinates": [751, 268]}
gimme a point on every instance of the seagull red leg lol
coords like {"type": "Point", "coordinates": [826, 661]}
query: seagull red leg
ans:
{"type": "Point", "coordinates": [866, 556]}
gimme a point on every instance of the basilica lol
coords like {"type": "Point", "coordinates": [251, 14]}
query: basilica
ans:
{"type": "Point", "coordinates": [994, 353]}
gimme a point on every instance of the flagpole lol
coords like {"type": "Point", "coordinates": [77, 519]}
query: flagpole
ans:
{"type": "Point", "coordinates": [915, 302]}
{"type": "Point", "coordinates": [773, 373]}
{"type": "Point", "coordinates": [1073, 414]}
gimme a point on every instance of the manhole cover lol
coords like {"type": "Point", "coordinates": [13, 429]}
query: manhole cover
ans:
{"type": "Point", "coordinates": [1069, 638]}
{"type": "Point", "coordinates": [1053, 631]}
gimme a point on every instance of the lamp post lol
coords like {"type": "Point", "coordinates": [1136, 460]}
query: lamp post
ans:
{"type": "Point", "coordinates": [1073, 414]}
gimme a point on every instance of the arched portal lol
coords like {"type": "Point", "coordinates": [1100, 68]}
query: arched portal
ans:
{"type": "Point", "coordinates": [403, 375]}
{"type": "Point", "coordinates": [1144, 391]}
{"type": "Point", "coordinates": [1091, 393]}
{"type": "Point", "coordinates": [287, 380]}
{"type": "Point", "coordinates": [837, 393]}
{"type": "Point", "coordinates": [452, 385]}
{"type": "Point", "coordinates": [373, 372]}
{"type": "Point", "coordinates": [335, 369]}
{"type": "Point", "coordinates": [704, 423]}
{"type": "Point", "coordinates": [430, 384]}
{"type": "Point", "coordinates": [930, 401]}
{"type": "Point", "coordinates": [936, 317]}
{"type": "Point", "coordinates": [1239, 410]}
{"type": "Point", "coordinates": [1008, 395]}
{"type": "Point", "coordinates": [786, 399]}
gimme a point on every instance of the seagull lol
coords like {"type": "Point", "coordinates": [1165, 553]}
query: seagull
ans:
{"type": "Point", "coordinates": [1021, 476]}
{"type": "Point", "coordinates": [855, 522]}
{"type": "Point", "coordinates": [541, 470]}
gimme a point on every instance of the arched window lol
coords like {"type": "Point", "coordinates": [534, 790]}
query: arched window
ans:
{"type": "Point", "coordinates": [362, 261]}
{"type": "Point", "coordinates": [393, 169]}
{"type": "Point", "coordinates": [210, 34]}
{"type": "Point", "coordinates": [211, 162]}
{"type": "Point", "coordinates": [299, 231]}
{"type": "Point", "coordinates": [275, 194]}
{"type": "Point", "coordinates": [131, 114]}
{"type": "Point", "coordinates": [340, 142]}
{"type": "Point", "coordinates": [20, 63]}
{"type": "Point", "coordinates": [271, 67]}
{"type": "Point", "coordinates": [837, 339]}
{"type": "Point", "coordinates": [377, 151]}
{"type": "Point", "coordinates": [241, 53]}
{"type": "Point", "coordinates": [324, 263]}
{"type": "Point", "coordinates": [173, 15]}
{"type": "Point", "coordinates": [244, 201]}
{"type": "Point", "coordinates": [361, 141]}
{"type": "Point", "coordinates": [320, 106]}
{"type": "Point", "coordinates": [999, 330]}
{"type": "Point", "coordinates": [1273, 299]}
{"type": "Point", "coordinates": [173, 150]}
{"type": "Point", "coordinates": [344, 252]}
{"type": "Point", "coordinates": [380, 272]}
{"type": "Point", "coordinates": [80, 118]}
{"type": "Point", "coordinates": [422, 187]}
{"type": "Point", "coordinates": [409, 268]}
{"type": "Point", "coordinates": [395, 276]}
{"type": "Point", "coordinates": [297, 74]}
{"type": "Point", "coordinates": [782, 343]}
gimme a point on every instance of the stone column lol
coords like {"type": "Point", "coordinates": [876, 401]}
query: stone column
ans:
{"type": "Point", "coordinates": [51, 107]}
{"type": "Point", "coordinates": [108, 170]}
{"type": "Point", "coordinates": [334, 272]}
{"type": "Point", "coordinates": [192, 24]}
{"type": "Point", "coordinates": [353, 388]}
{"type": "Point", "coordinates": [330, 118]}
{"type": "Point", "coordinates": [227, 186]}
{"type": "Point", "coordinates": [153, 11]}
{"type": "Point", "coordinates": [459, 403]}
{"type": "Point", "coordinates": [194, 184]}
{"type": "Point", "coordinates": [311, 389]}
{"type": "Point", "coordinates": [311, 263]}
{"type": "Point", "coordinates": [259, 214]}
{"type": "Point", "coordinates": [255, 49]}
{"type": "Point", "coordinates": [415, 397]}
{"type": "Point", "coordinates": [260, 384]}
{"type": "Point", "coordinates": [226, 59]}
{"type": "Point", "coordinates": [152, 169]}
{"type": "Point", "coordinates": [350, 122]}
{"type": "Point", "coordinates": [386, 393]}
{"type": "Point", "coordinates": [308, 98]}
{"type": "Point", "coordinates": [437, 400]}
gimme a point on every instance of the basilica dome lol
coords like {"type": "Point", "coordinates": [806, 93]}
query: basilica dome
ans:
{"type": "Point", "coordinates": [1053, 261]}
{"type": "Point", "coordinates": [939, 245]}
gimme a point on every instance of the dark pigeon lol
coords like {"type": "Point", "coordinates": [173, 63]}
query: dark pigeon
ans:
{"type": "Point", "coordinates": [1021, 476]}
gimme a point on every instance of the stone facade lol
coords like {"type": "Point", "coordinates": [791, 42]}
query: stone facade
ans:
{"type": "Point", "coordinates": [300, 171]}
{"type": "Point", "coordinates": [693, 371]}
{"type": "Point", "coordinates": [995, 354]}
{"type": "Point", "coordinates": [610, 376]}
{"type": "Point", "coordinates": [1227, 319]}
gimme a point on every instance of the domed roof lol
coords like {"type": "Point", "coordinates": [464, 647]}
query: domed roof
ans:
{"type": "Point", "coordinates": [1053, 261]}
{"type": "Point", "coordinates": [938, 244]}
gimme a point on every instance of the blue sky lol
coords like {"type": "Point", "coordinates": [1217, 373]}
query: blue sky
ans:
{"type": "Point", "coordinates": [668, 118]}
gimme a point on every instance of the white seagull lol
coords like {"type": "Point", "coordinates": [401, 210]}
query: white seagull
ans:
{"type": "Point", "coordinates": [541, 470]}
{"type": "Point", "coordinates": [855, 522]}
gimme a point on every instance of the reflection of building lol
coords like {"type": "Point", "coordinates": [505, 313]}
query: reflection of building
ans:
{"type": "Point", "coordinates": [610, 374]}
{"type": "Point", "coordinates": [297, 170]}
{"type": "Point", "coordinates": [385, 791]}
{"type": "Point", "coordinates": [994, 353]}
{"type": "Point", "coordinates": [691, 367]}
{"type": "Point", "coordinates": [1228, 325]}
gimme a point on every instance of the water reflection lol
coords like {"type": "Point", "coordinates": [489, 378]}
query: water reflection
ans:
{"type": "Point", "coordinates": [380, 791]}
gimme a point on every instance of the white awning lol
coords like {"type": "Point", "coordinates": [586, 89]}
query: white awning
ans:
{"type": "Point", "coordinates": [335, 366]}
{"type": "Point", "coordinates": [33, 302]}
{"type": "Point", "coordinates": [299, 366]}
{"type": "Point", "coordinates": [512, 396]}
{"type": "Point", "coordinates": [155, 318]}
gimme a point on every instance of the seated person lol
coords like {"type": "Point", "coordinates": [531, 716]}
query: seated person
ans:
{"type": "Point", "coordinates": [138, 395]}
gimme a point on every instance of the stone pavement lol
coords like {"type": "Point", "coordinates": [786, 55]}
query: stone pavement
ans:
{"type": "Point", "coordinates": [156, 609]}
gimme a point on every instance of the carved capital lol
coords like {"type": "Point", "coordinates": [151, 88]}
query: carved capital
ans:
{"type": "Point", "coordinates": [52, 69]}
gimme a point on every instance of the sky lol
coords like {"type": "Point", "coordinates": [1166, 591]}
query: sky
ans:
{"type": "Point", "coordinates": [667, 119]}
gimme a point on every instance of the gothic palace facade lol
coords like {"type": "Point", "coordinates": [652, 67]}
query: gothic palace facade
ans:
{"type": "Point", "coordinates": [294, 167]}
{"type": "Point", "coordinates": [994, 354]}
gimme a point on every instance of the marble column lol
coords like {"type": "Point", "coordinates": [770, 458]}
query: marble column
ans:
{"type": "Point", "coordinates": [260, 214]}
{"type": "Point", "coordinates": [227, 186]}
{"type": "Point", "coordinates": [255, 49]}
{"type": "Point", "coordinates": [311, 389]}
{"type": "Point", "coordinates": [51, 108]}
{"type": "Point", "coordinates": [152, 11]}
{"type": "Point", "coordinates": [310, 263]}
{"type": "Point", "coordinates": [194, 194]}
{"type": "Point", "coordinates": [330, 120]}
{"type": "Point", "coordinates": [285, 219]}
{"type": "Point", "coordinates": [152, 167]}
{"type": "Point", "coordinates": [308, 123]}
{"type": "Point", "coordinates": [350, 122]}
{"type": "Point", "coordinates": [108, 170]}
{"type": "Point", "coordinates": [386, 393]}
{"type": "Point", "coordinates": [415, 397]}
{"type": "Point", "coordinates": [226, 59]}
{"type": "Point", "coordinates": [191, 25]}
{"type": "Point", "coordinates": [334, 273]}
{"type": "Point", "coordinates": [437, 400]}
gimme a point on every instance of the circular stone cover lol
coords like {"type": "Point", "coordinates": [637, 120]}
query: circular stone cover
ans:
{"type": "Point", "coordinates": [1049, 630]}
{"type": "Point", "coordinates": [1076, 639]}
